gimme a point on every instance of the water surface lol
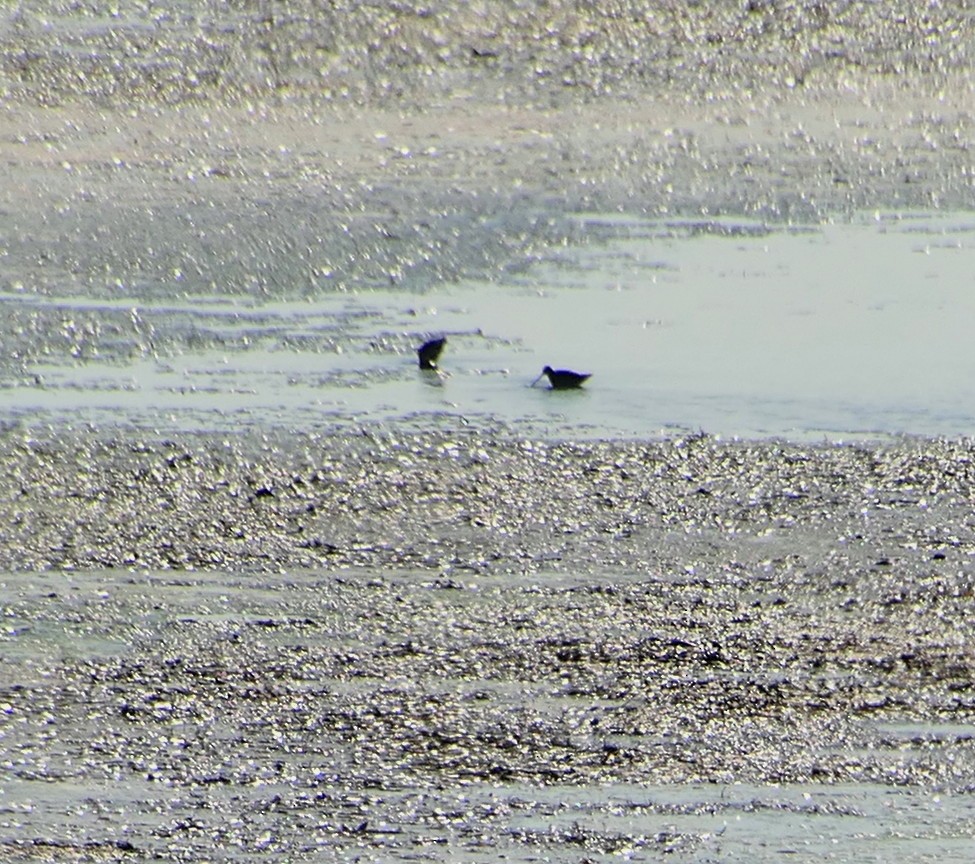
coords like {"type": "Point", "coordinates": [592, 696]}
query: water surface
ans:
{"type": "Point", "coordinates": [732, 327]}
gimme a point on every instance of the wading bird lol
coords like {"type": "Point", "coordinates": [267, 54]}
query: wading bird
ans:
{"type": "Point", "coordinates": [428, 352]}
{"type": "Point", "coordinates": [562, 379]}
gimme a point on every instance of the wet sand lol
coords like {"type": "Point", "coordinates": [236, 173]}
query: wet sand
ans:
{"type": "Point", "coordinates": [459, 642]}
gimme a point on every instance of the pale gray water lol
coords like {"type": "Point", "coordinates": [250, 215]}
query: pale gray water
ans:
{"type": "Point", "coordinates": [841, 331]}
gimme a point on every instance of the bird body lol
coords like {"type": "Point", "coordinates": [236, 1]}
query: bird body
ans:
{"type": "Point", "coordinates": [429, 352]}
{"type": "Point", "coordinates": [563, 379]}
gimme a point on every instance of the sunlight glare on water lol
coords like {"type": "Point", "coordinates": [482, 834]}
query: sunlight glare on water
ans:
{"type": "Point", "coordinates": [839, 330]}
{"type": "Point", "coordinates": [737, 329]}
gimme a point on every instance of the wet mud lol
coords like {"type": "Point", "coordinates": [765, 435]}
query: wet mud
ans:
{"type": "Point", "coordinates": [455, 645]}
{"type": "Point", "coordinates": [231, 175]}
{"type": "Point", "coordinates": [450, 640]}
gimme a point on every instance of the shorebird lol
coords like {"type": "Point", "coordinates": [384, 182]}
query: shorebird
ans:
{"type": "Point", "coordinates": [562, 379]}
{"type": "Point", "coordinates": [428, 352]}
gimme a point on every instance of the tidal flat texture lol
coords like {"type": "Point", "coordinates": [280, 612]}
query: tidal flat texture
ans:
{"type": "Point", "coordinates": [460, 645]}
{"type": "Point", "coordinates": [278, 642]}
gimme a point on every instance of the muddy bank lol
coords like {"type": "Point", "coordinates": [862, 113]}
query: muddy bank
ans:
{"type": "Point", "coordinates": [294, 644]}
{"type": "Point", "coordinates": [280, 202]}
{"type": "Point", "coordinates": [417, 53]}
{"type": "Point", "coordinates": [476, 501]}
{"type": "Point", "coordinates": [233, 151]}
{"type": "Point", "coordinates": [177, 716]}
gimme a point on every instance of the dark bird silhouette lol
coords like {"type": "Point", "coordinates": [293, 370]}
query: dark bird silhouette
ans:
{"type": "Point", "coordinates": [429, 352]}
{"type": "Point", "coordinates": [563, 379]}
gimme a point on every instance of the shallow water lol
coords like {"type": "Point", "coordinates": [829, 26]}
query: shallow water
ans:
{"type": "Point", "coordinates": [698, 823]}
{"type": "Point", "coordinates": [736, 328]}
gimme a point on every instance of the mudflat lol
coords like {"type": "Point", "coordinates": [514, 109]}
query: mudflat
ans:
{"type": "Point", "coordinates": [253, 642]}
{"type": "Point", "coordinates": [457, 644]}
